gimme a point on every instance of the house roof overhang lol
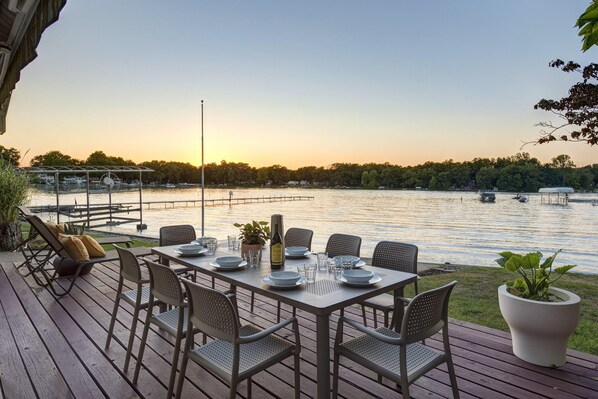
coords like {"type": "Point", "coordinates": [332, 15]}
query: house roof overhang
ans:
{"type": "Point", "coordinates": [22, 23]}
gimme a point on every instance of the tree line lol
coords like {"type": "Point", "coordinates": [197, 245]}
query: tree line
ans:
{"type": "Point", "coordinates": [519, 172]}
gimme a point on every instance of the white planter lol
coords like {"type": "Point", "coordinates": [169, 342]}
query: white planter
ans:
{"type": "Point", "coordinates": [540, 330]}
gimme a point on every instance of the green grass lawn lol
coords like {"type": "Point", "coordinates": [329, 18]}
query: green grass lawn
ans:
{"type": "Point", "coordinates": [475, 299]}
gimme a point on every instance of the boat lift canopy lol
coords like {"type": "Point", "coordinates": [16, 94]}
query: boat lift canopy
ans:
{"type": "Point", "coordinates": [106, 215]}
{"type": "Point", "coordinates": [555, 195]}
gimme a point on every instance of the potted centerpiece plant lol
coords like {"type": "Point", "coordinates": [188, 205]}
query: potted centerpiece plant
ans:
{"type": "Point", "coordinates": [253, 235]}
{"type": "Point", "coordinates": [541, 317]}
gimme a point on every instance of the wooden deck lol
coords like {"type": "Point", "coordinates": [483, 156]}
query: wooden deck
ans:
{"type": "Point", "coordinates": [53, 348]}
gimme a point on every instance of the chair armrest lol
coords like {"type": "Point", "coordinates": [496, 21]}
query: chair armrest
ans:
{"type": "Point", "coordinates": [372, 333]}
{"type": "Point", "coordinates": [402, 299]}
{"type": "Point", "coordinates": [268, 331]}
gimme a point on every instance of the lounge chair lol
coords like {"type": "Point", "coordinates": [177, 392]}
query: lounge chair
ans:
{"type": "Point", "coordinates": [54, 261]}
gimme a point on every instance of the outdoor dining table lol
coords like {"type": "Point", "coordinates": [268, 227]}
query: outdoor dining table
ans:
{"type": "Point", "coordinates": [320, 298]}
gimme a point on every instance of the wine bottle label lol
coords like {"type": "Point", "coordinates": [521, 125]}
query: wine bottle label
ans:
{"type": "Point", "coordinates": [276, 251]}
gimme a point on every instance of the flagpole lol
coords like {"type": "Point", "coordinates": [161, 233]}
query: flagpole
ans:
{"type": "Point", "coordinates": [202, 177]}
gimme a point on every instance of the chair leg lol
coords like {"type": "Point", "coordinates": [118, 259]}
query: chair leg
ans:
{"type": "Point", "coordinates": [453, 377]}
{"type": "Point", "coordinates": [252, 301]}
{"type": "Point", "coordinates": [294, 311]}
{"type": "Point", "coordinates": [131, 338]}
{"type": "Point", "coordinates": [386, 318]}
{"type": "Point", "coordinates": [142, 345]}
{"type": "Point", "coordinates": [278, 312]}
{"type": "Point", "coordinates": [213, 282]}
{"type": "Point", "coordinates": [233, 388]}
{"type": "Point", "coordinates": [335, 376]}
{"type": "Point", "coordinates": [175, 361]}
{"type": "Point", "coordinates": [375, 314]}
{"type": "Point", "coordinates": [179, 387]}
{"type": "Point", "coordinates": [405, 390]}
{"type": "Point", "coordinates": [365, 321]}
{"type": "Point", "coordinates": [297, 376]}
{"type": "Point", "coordinates": [249, 388]}
{"type": "Point", "coordinates": [114, 311]}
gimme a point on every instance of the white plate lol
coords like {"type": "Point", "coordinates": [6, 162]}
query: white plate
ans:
{"type": "Point", "coordinates": [217, 266]}
{"type": "Point", "coordinates": [287, 255]}
{"type": "Point", "coordinates": [359, 264]}
{"type": "Point", "coordinates": [272, 284]}
{"type": "Point", "coordinates": [191, 254]}
{"type": "Point", "coordinates": [373, 280]}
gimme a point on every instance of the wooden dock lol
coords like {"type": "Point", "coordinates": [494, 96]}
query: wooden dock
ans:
{"type": "Point", "coordinates": [126, 207]}
{"type": "Point", "coordinates": [54, 348]}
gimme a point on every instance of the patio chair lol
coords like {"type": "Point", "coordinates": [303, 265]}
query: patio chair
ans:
{"type": "Point", "coordinates": [165, 287]}
{"type": "Point", "coordinates": [237, 352]}
{"type": "Point", "coordinates": [400, 357]}
{"type": "Point", "coordinates": [294, 237]}
{"type": "Point", "coordinates": [53, 261]}
{"type": "Point", "coordinates": [179, 235]}
{"type": "Point", "coordinates": [130, 270]}
{"type": "Point", "coordinates": [343, 244]}
{"type": "Point", "coordinates": [298, 237]}
{"type": "Point", "coordinates": [395, 256]}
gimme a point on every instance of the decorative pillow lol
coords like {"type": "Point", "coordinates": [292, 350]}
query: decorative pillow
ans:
{"type": "Point", "coordinates": [74, 246]}
{"type": "Point", "coordinates": [56, 229]}
{"type": "Point", "coordinates": [94, 249]}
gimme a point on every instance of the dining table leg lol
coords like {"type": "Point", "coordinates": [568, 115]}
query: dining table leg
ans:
{"type": "Point", "coordinates": [323, 355]}
{"type": "Point", "coordinates": [399, 310]}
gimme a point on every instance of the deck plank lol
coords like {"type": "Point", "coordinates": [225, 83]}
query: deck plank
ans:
{"type": "Point", "coordinates": [43, 372]}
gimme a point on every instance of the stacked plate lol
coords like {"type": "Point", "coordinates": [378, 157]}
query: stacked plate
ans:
{"type": "Point", "coordinates": [359, 278]}
{"type": "Point", "coordinates": [284, 279]}
{"type": "Point", "coordinates": [356, 262]}
{"type": "Point", "coordinates": [229, 262]}
{"type": "Point", "coordinates": [190, 250]}
{"type": "Point", "coordinates": [296, 252]}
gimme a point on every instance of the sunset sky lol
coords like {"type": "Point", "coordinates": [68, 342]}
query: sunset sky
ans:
{"type": "Point", "coordinates": [298, 83]}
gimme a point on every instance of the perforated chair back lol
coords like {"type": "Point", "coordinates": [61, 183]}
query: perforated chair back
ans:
{"type": "Point", "coordinates": [396, 256]}
{"type": "Point", "coordinates": [426, 314]}
{"type": "Point", "coordinates": [165, 285]}
{"type": "Point", "coordinates": [343, 244]}
{"type": "Point", "coordinates": [129, 265]}
{"type": "Point", "coordinates": [212, 312]}
{"type": "Point", "coordinates": [178, 234]}
{"type": "Point", "coordinates": [297, 237]}
{"type": "Point", "coordinates": [47, 235]}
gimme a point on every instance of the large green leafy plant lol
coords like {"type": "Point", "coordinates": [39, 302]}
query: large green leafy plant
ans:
{"type": "Point", "coordinates": [535, 277]}
{"type": "Point", "coordinates": [254, 232]}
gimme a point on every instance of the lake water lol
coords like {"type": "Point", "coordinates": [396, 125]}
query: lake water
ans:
{"type": "Point", "coordinates": [446, 226]}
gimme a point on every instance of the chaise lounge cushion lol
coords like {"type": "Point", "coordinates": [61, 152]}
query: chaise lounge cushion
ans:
{"type": "Point", "coordinates": [75, 247]}
{"type": "Point", "coordinates": [94, 249]}
{"type": "Point", "coordinates": [55, 229]}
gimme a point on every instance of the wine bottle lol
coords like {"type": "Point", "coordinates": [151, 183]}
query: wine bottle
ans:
{"type": "Point", "coordinates": [276, 249]}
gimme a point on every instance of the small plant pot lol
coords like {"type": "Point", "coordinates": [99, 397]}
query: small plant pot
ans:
{"type": "Point", "coordinates": [246, 247]}
{"type": "Point", "coordinates": [540, 330]}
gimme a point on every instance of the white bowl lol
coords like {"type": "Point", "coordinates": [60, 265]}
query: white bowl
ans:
{"type": "Point", "coordinates": [190, 248]}
{"type": "Point", "coordinates": [229, 261]}
{"type": "Point", "coordinates": [357, 276]}
{"type": "Point", "coordinates": [285, 278]}
{"type": "Point", "coordinates": [339, 259]}
{"type": "Point", "coordinates": [293, 251]}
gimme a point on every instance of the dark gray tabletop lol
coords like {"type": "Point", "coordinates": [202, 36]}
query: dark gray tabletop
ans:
{"type": "Point", "coordinates": [322, 297]}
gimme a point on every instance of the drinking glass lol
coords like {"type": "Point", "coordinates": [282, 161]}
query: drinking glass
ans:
{"type": "Point", "coordinates": [231, 239]}
{"type": "Point", "coordinates": [338, 272]}
{"type": "Point", "coordinates": [331, 266]}
{"type": "Point", "coordinates": [236, 244]}
{"type": "Point", "coordinates": [322, 261]}
{"type": "Point", "coordinates": [253, 257]}
{"type": "Point", "coordinates": [211, 245]}
{"type": "Point", "coordinates": [310, 272]}
{"type": "Point", "coordinates": [347, 262]}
